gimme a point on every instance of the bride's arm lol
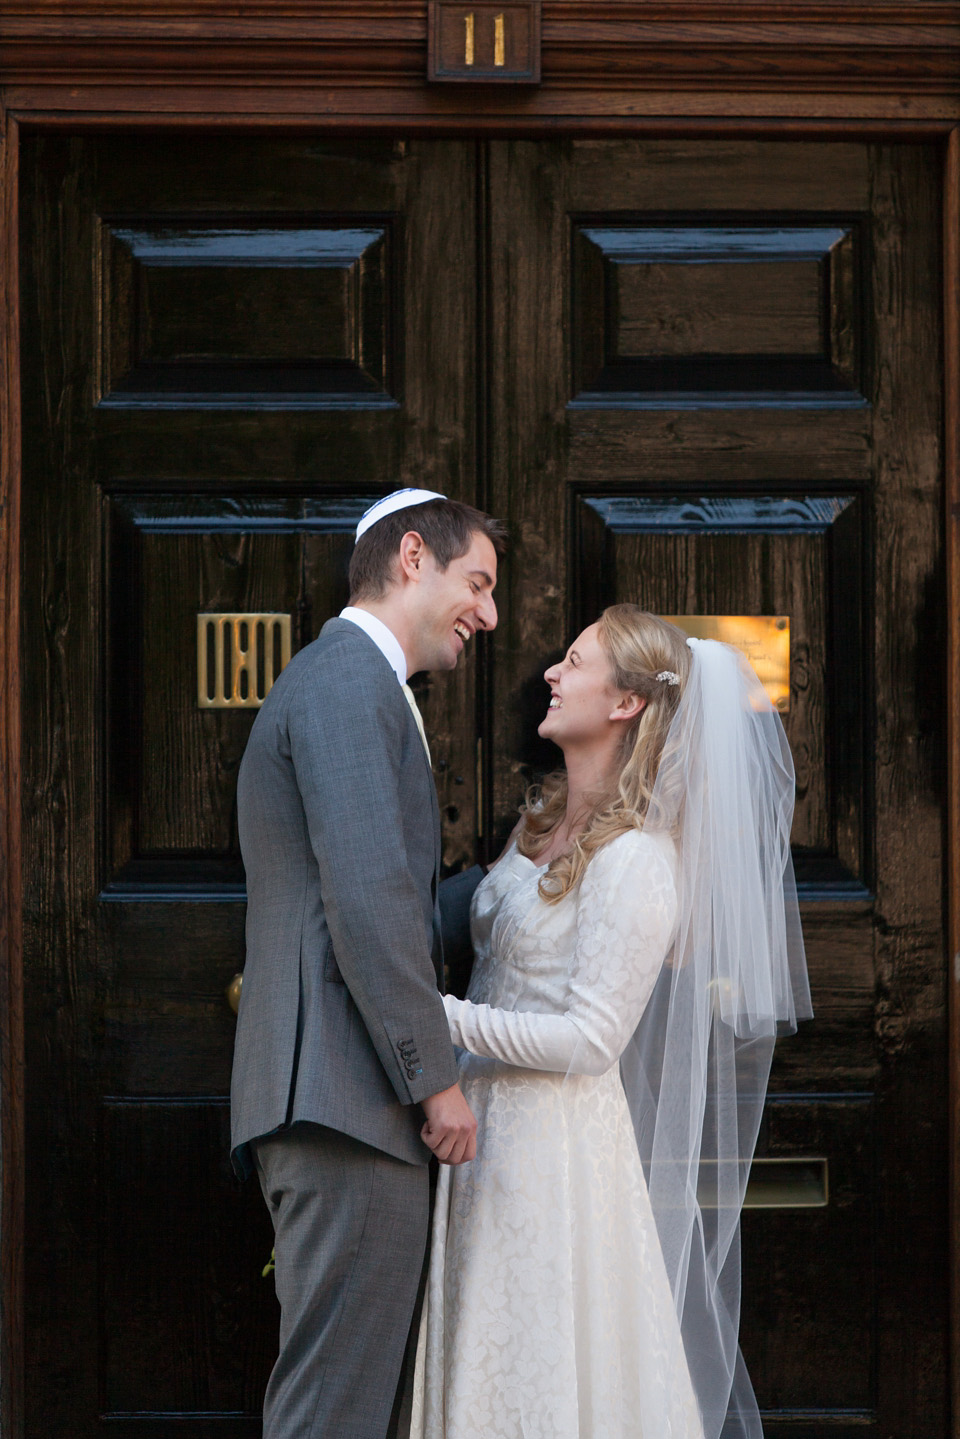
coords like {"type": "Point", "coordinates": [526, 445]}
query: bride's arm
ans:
{"type": "Point", "coordinates": [626, 909]}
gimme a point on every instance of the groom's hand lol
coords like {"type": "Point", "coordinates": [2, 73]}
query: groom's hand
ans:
{"type": "Point", "coordinates": [450, 1130]}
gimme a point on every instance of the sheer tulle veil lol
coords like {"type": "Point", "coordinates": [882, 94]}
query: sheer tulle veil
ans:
{"type": "Point", "coordinates": [695, 1072]}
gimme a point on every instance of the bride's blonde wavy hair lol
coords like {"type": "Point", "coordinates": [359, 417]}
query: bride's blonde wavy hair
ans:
{"type": "Point", "coordinates": [640, 646]}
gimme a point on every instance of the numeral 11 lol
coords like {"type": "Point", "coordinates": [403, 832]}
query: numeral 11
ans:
{"type": "Point", "coordinates": [499, 45]}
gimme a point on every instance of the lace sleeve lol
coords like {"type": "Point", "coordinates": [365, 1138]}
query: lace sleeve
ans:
{"type": "Point", "coordinates": [626, 910]}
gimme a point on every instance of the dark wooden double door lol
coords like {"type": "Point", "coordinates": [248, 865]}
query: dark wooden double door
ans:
{"type": "Point", "coordinates": [700, 376]}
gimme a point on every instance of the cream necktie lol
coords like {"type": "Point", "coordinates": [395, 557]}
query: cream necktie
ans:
{"type": "Point", "coordinates": [408, 694]}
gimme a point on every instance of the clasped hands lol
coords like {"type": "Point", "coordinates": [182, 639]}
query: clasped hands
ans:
{"type": "Point", "coordinates": [450, 1130]}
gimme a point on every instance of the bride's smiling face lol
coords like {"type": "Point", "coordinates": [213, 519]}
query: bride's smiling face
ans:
{"type": "Point", "coordinates": [585, 705]}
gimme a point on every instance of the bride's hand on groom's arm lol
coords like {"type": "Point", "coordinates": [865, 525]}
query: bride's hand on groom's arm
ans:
{"type": "Point", "coordinates": [451, 1130]}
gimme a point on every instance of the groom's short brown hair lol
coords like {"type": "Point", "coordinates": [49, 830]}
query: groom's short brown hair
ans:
{"type": "Point", "coordinates": [446, 527]}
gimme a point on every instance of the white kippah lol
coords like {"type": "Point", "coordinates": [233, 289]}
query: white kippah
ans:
{"type": "Point", "coordinates": [399, 500]}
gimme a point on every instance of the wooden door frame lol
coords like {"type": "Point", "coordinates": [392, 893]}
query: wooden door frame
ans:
{"type": "Point", "coordinates": [763, 69]}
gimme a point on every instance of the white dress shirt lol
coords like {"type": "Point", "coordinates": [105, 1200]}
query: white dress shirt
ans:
{"type": "Point", "coordinates": [384, 638]}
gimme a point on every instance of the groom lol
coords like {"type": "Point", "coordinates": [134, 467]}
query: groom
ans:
{"type": "Point", "coordinates": [344, 1077]}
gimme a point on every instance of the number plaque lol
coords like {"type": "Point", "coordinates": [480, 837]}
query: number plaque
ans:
{"type": "Point", "coordinates": [490, 41]}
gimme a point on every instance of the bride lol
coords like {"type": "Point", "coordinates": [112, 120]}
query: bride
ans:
{"type": "Point", "coordinates": [584, 1270]}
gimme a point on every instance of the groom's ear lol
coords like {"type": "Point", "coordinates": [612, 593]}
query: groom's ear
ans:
{"type": "Point", "coordinates": [630, 706]}
{"type": "Point", "coordinates": [410, 556]}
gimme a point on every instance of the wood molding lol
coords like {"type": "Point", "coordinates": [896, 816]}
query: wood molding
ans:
{"type": "Point", "coordinates": [951, 358]}
{"type": "Point", "coordinates": [11, 926]}
{"type": "Point", "coordinates": [625, 50]}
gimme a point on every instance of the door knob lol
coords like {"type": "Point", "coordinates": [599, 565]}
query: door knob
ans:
{"type": "Point", "coordinates": [232, 992]}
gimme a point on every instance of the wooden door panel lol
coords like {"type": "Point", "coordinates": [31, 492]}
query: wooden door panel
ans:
{"type": "Point", "coordinates": [697, 176]}
{"type": "Point", "coordinates": [790, 1313]}
{"type": "Point", "coordinates": [708, 397]}
{"type": "Point", "coordinates": [257, 341]}
{"type": "Point", "coordinates": [172, 767]}
{"type": "Point", "coordinates": [800, 556]}
{"type": "Point", "coordinates": [700, 310]}
{"type": "Point", "coordinates": [636, 446]}
{"type": "Point", "coordinates": [166, 1026]}
{"type": "Point", "coordinates": [203, 311]}
{"type": "Point", "coordinates": [211, 1342]}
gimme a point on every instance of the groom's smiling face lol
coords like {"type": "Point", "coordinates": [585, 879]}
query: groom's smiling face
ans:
{"type": "Point", "coordinates": [454, 603]}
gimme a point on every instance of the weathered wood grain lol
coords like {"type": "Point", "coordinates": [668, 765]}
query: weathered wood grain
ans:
{"type": "Point", "coordinates": [909, 774]}
{"type": "Point", "coordinates": [951, 445]}
{"type": "Point", "coordinates": [62, 681]}
{"type": "Point", "coordinates": [528, 317]}
{"type": "Point", "coordinates": [783, 1254]}
{"type": "Point", "coordinates": [11, 861]}
{"type": "Point", "coordinates": [211, 1343]}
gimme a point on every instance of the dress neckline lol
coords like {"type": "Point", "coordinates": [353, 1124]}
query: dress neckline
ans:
{"type": "Point", "coordinates": [527, 860]}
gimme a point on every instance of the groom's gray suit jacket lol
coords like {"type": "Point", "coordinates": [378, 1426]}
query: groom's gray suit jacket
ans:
{"type": "Point", "coordinates": [340, 1019]}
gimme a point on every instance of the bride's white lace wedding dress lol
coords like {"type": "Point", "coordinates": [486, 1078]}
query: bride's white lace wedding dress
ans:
{"type": "Point", "coordinates": [548, 1312]}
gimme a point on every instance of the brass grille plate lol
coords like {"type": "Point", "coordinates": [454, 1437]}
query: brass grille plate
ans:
{"type": "Point", "coordinates": [239, 657]}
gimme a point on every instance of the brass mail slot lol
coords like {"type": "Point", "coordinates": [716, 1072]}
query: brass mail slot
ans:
{"type": "Point", "coordinates": [763, 639]}
{"type": "Point", "coordinates": [787, 1184]}
{"type": "Point", "coordinates": [239, 657]}
{"type": "Point", "coordinates": [801, 1183]}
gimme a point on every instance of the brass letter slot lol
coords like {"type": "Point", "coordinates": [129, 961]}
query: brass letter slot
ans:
{"type": "Point", "coordinates": [776, 1184]}
{"type": "Point", "coordinates": [239, 657]}
{"type": "Point", "coordinates": [795, 1183]}
{"type": "Point", "coordinates": [787, 1184]}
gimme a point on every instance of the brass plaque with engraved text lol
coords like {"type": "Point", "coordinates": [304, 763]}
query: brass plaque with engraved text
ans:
{"type": "Point", "coordinates": [763, 639]}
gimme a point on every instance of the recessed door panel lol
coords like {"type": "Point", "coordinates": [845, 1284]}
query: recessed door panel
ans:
{"type": "Point", "coordinates": [149, 1259]}
{"type": "Point", "coordinates": [173, 763]}
{"type": "Point", "coordinates": [706, 310]}
{"type": "Point", "coordinates": [221, 312]}
{"type": "Point", "coordinates": [799, 556]}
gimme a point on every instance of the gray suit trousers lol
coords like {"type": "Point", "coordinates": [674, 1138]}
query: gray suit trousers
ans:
{"type": "Point", "coordinates": [351, 1230]}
